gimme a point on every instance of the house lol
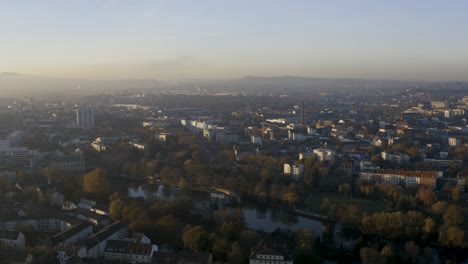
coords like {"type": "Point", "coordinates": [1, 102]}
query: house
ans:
{"type": "Point", "coordinates": [263, 254]}
{"type": "Point", "coordinates": [12, 239]}
{"type": "Point", "coordinates": [96, 243]}
{"type": "Point", "coordinates": [73, 234]}
{"type": "Point", "coordinates": [140, 238]}
{"type": "Point", "coordinates": [126, 250]}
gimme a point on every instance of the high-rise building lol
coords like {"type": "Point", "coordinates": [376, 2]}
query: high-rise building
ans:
{"type": "Point", "coordinates": [85, 117]}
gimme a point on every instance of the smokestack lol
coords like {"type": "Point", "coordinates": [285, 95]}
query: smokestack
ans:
{"type": "Point", "coordinates": [302, 112]}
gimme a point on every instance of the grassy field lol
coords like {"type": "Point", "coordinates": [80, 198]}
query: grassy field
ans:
{"type": "Point", "coordinates": [314, 199]}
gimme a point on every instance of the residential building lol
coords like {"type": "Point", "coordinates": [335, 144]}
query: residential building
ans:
{"type": "Point", "coordinates": [74, 234]}
{"type": "Point", "coordinates": [405, 177]}
{"type": "Point", "coordinates": [263, 254]}
{"type": "Point", "coordinates": [295, 170]}
{"type": "Point", "coordinates": [69, 163]}
{"type": "Point", "coordinates": [12, 239]}
{"type": "Point", "coordinates": [454, 142]}
{"type": "Point", "coordinates": [95, 244]}
{"type": "Point", "coordinates": [126, 250]}
{"type": "Point", "coordinates": [324, 154]}
{"type": "Point", "coordinates": [397, 157]}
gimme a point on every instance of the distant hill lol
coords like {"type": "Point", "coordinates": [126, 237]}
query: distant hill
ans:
{"type": "Point", "coordinates": [16, 84]}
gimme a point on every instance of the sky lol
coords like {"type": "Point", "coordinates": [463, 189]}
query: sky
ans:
{"type": "Point", "coordinates": [172, 39]}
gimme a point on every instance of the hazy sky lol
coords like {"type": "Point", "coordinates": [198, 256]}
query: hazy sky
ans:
{"type": "Point", "coordinates": [423, 40]}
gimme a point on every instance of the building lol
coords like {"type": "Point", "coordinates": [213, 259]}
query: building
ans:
{"type": "Point", "coordinates": [438, 104]}
{"type": "Point", "coordinates": [12, 239]}
{"type": "Point", "coordinates": [39, 224]}
{"type": "Point", "coordinates": [454, 142]}
{"type": "Point", "coordinates": [95, 245]}
{"type": "Point", "coordinates": [126, 250]}
{"type": "Point", "coordinates": [405, 177]}
{"type": "Point", "coordinates": [324, 154]}
{"type": "Point", "coordinates": [263, 254]}
{"type": "Point", "coordinates": [73, 235]}
{"type": "Point", "coordinates": [85, 117]}
{"type": "Point", "coordinates": [397, 157]}
{"type": "Point", "coordinates": [295, 170]}
{"type": "Point", "coordinates": [69, 163]}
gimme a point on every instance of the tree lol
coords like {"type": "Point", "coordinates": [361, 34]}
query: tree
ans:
{"type": "Point", "coordinates": [195, 238]}
{"type": "Point", "coordinates": [325, 206]}
{"type": "Point", "coordinates": [96, 182]}
{"type": "Point", "coordinates": [452, 236]}
{"type": "Point", "coordinates": [115, 209]}
{"type": "Point", "coordinates": [388, 252]}
{"type": "Point", "coordinates": [370, 256]}
{"type": "Point", "coordinates": [429, 227]}
{"type": "Point", "coordinates": [412, 251]}
{"type": "Point", "coordinates": [291, 196]}
{"type": "Point", "coordinates": [426, 196]}
{"type": "Point", "coordinates": [220, 248]}
{"type": "Point", "coordinates": [345, 189]}
{"type": "Point", "coordinates": [453, 216]}
{"type": "Point", "coordinates": [235, 255]}
{"type": "Point", "coordinates": [439, 207]}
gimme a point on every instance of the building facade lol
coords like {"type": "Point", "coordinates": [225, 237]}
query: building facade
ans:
{"type": "Point", "coordinates": [85, 117]}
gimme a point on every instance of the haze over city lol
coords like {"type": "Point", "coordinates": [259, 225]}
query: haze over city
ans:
{"type": "Point", "coordinates": [233, 132]}
{"type": "Point", "coordinates": [404, 40]}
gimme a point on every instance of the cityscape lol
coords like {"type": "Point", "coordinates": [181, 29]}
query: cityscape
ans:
{"type": "Point", "coordinates": [232, 160]}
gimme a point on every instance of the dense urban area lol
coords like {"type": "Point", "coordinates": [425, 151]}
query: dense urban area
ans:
{"type": "Point", "coordinates": [212, 173]}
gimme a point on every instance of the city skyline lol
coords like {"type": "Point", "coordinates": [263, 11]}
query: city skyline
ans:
{"type": "Point", "coordinates": [169, 40]}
